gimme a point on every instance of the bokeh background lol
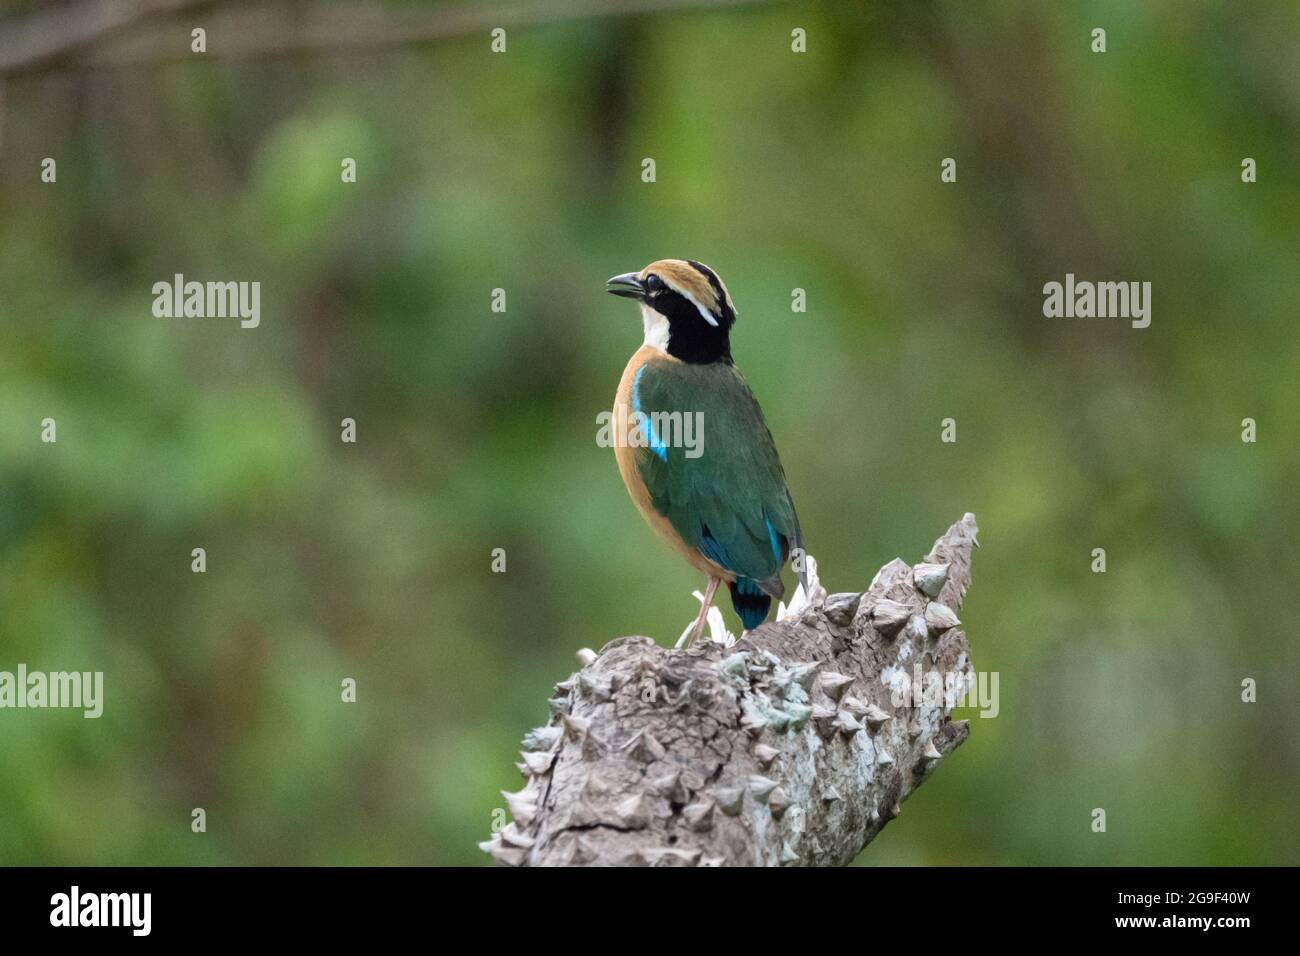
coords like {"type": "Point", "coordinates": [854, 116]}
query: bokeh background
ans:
{"type": "Point", "coordinates": [476, 430]}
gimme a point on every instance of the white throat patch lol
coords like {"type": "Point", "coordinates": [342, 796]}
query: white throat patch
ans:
{"type": "Point", "coordinates": [656, 328]}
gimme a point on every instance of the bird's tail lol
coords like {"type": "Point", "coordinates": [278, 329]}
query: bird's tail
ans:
{"type": "Point", "coordinates": [750, 602]}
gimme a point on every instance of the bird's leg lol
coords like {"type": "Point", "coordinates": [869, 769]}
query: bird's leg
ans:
{"type": "Point", "coordinates": [709, 591]}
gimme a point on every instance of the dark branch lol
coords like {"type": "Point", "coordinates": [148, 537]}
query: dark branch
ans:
{"type": "Point", "coordinates": [94, 34]}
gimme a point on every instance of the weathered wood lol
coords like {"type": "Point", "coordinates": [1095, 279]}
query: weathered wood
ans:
{"type": "Point", "coordinates": [791, 747]}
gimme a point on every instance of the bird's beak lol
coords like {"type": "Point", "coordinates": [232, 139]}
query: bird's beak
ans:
{"type": "Point", "coordinates": [628, 285]}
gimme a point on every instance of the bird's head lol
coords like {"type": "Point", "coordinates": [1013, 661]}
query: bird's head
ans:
{"type": "Point", "coordinates": [685, 307]}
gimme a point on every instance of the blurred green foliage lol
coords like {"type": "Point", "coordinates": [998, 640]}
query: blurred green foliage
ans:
{"type": "Point", "coordinates": [476, 430]}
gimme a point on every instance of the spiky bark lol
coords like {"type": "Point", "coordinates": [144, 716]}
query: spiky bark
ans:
{"type": "Point", "coordinates": [789, 748]}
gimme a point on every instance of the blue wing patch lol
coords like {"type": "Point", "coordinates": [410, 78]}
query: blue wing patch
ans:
{"type": "Point", "coordinates": [643, 420]}
{"type": "Point", "coordinates": [776, 547]}
{"type": "Point", "coordinates": [713, 550]}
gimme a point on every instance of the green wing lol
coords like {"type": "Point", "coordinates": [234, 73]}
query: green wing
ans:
{"type": "Point", "coordinates": [727, 495]}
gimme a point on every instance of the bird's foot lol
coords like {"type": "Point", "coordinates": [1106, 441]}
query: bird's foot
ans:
{"type": "Point", "coordinates": [696, 628]}
{"type": "Point", "coordinates": [710, 615]}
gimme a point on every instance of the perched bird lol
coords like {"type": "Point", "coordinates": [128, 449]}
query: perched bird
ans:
{"type": "Point", "coordinates": [723, 505]}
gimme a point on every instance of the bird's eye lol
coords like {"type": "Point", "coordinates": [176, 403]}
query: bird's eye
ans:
{"type": "Point", "coordinates": [653, 284]}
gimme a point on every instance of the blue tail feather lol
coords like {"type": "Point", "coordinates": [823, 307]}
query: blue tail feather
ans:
{"type": "Point", "coordinates": [750, 602]}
